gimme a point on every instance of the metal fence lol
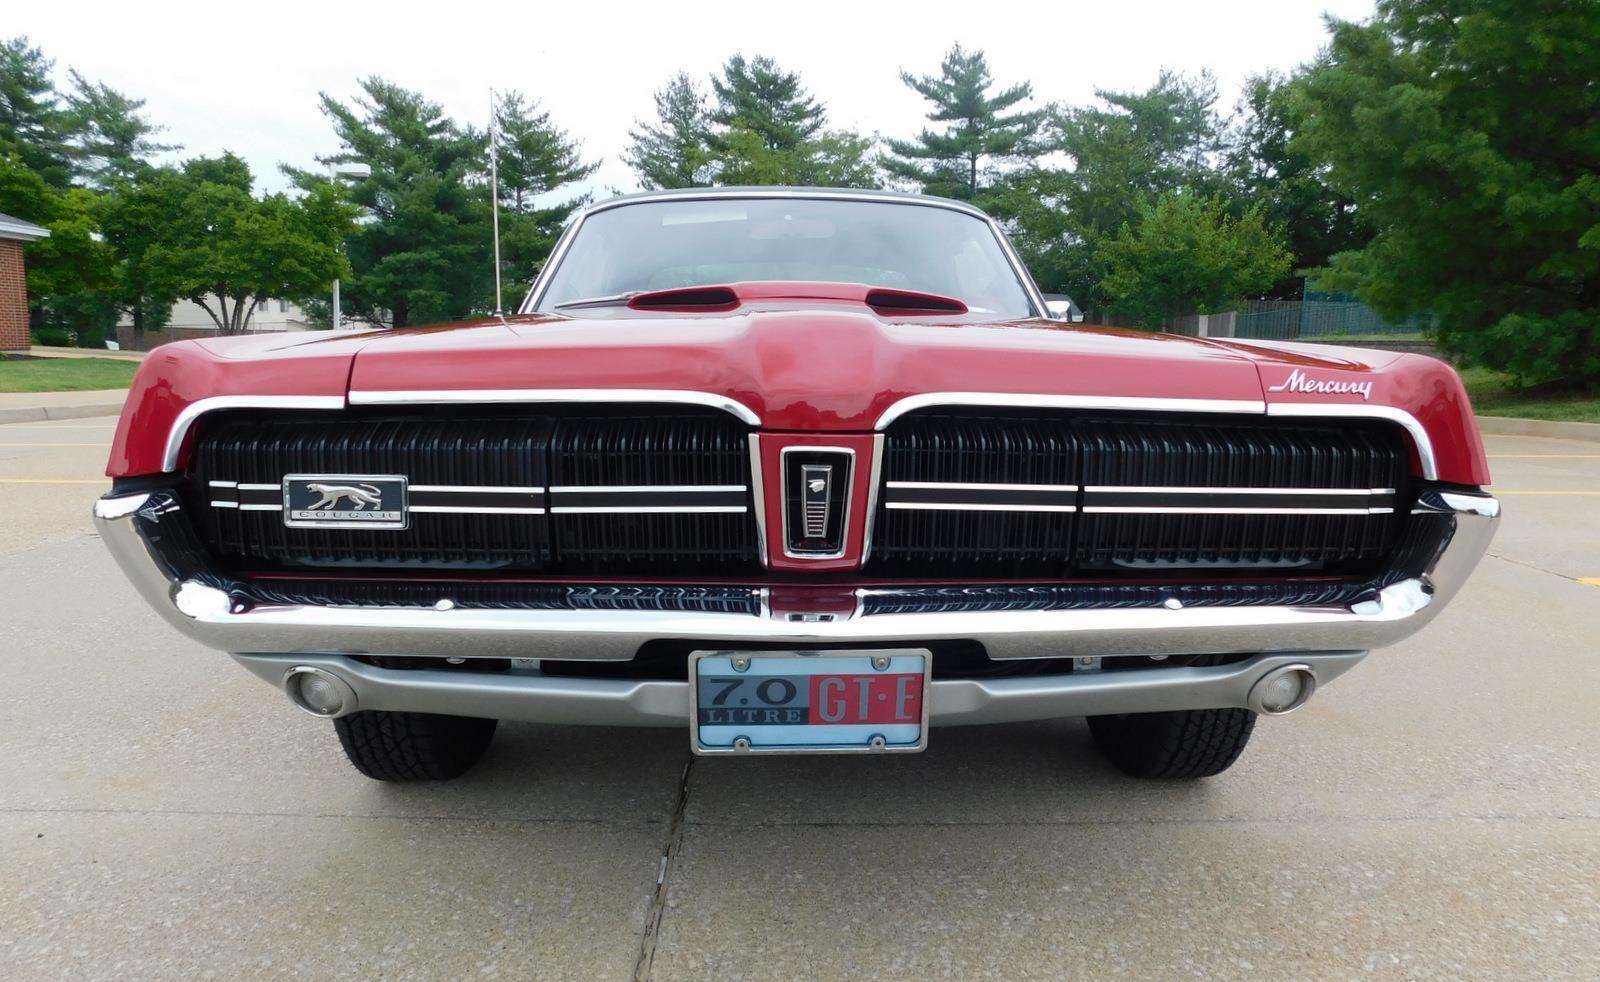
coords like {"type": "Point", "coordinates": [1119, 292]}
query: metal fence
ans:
{"type": "Point", "coordinates": [1313, 318]}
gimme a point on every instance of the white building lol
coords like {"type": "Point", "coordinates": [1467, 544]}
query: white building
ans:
{"type": "Point", "coordinates": [269, 315]}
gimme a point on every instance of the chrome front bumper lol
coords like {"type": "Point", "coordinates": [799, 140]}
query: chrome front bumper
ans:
{"type": "Point", "coordinates": [533, 697]}
{"type": "Point", "coordinates": [131, 523]}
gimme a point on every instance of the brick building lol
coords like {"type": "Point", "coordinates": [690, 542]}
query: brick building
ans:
{"type": "Point", "coordinates": [13, 283]}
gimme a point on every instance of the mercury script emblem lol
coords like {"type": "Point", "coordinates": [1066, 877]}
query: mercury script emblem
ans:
{"type": "Point", "coordinates": [1299, 381]}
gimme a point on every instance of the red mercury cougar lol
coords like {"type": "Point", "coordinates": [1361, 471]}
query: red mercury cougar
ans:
{"type": "Point", "coordinates": [799, 471]}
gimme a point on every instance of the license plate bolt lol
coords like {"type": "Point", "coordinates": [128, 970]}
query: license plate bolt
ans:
{"type": "Point", "coordinates": [880, 662]}
{"type": "Point", "coordinates": [741, 664]}
{"type": "Point", "coordinates": [877, 742]}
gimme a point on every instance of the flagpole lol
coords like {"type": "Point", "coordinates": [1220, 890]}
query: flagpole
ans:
{"type": "Point", "coordinates": [494, 193]}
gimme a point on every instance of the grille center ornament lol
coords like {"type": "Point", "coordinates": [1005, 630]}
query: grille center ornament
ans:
{"type": "Point", "coordinates": [817, 477]}
{"type": "Point", "coordinates": [345, 501]}
{"type": "Point", "coordinates": [816, 499]}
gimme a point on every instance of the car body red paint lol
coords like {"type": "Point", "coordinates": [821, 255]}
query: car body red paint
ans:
{"type": "Point", "coordinates": [813, 365]}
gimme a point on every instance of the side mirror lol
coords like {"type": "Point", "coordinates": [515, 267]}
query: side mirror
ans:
{"type": "Point", "coordinates": [1063, 310]}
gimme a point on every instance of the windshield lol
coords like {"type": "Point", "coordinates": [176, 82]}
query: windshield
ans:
{"type": "Point", "coordinates": [665, 244]}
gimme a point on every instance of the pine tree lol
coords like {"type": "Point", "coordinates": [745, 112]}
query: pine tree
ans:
{"type": "Point", "coordinates": [674, 151]}
{"type": "Point", "coordinates": [757, 96]}
{"type": "Point", "coordinates": [983, 135]}
{"type": "Point", "coordinates": [112, 139]}
{"type": "Point", "coordinates": [32, 123]}
{"type": "Point", "coordinates": [423, 254]}
{"type": "Point", "coordinates": [535, 158]}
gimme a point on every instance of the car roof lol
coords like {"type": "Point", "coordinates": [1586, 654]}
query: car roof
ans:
{"type": "Point", "coordinates": [823, 194]}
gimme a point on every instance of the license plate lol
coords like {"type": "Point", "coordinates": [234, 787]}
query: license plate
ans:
{"type": "Point", "coordinates": [805, 702]}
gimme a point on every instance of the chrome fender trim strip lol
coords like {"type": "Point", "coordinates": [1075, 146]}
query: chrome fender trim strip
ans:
{"type": "Point", "coordinates": [194, 410]}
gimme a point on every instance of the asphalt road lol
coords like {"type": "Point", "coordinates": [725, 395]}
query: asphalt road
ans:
{"type": "Point", "coordinates": [1434, 814]}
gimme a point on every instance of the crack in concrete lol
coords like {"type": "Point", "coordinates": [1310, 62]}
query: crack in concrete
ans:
{"type": "Point", "coordinates": [658, 902]}
{"type": "Point", "coordinates": [1533, 566]}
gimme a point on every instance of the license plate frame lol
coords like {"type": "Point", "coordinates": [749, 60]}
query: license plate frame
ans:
{"type": "Point", "coordinates": [795, 663]}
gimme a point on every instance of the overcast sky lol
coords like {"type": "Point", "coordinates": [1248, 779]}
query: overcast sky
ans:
{"type": "Point", "coordinates": [245, 77]}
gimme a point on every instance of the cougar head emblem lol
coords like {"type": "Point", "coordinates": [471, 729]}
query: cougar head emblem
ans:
{"type": "Point", "coordinates": [359, 496]}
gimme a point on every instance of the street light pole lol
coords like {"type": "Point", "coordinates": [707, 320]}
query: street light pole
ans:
{"type": "Point", "coordinates": [357, 171]}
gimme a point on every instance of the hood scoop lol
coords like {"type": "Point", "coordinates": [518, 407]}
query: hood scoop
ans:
{"type": "Point", "coordinates": [713, 299]}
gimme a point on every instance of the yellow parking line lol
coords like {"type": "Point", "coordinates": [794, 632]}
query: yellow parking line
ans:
{"type": "Point", "coordinates": [1510, 436]}
{"type": "Point", "coordinates": [55, 444]}
{"type": "Point", "coordinates": [1578, 494]}
{"type": "Point", "coordinates": [1544, 456]}
{"type": "Point", "coordinates": [1590, 581]}
{"type": "Point", "coordinates": [52, 480]}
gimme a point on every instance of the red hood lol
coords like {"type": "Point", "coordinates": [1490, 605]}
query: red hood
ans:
{"type": "Point", "coordinates": [817, 366]}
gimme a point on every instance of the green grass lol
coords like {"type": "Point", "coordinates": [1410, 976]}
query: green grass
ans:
{"type": "Point", "coordinates": [1493, 395]}
{"type": "Point", "coordinates": [64, 374]}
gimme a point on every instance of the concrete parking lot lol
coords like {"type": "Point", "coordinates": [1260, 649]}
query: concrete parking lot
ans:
{"type": "Point", "coordinates": [1435, 814]}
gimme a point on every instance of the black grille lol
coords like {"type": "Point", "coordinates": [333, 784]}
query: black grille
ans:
{"type": "Point", "coordinates": [477, 451]}
{"type": "Point", "coordinates": [251, 449]}
{"type": "Point", "coordinates": [653, 452]}
{"type": "Point", "coordinates": [976, 451]}
{"type": "Point", "coordinates": [1086, 453]}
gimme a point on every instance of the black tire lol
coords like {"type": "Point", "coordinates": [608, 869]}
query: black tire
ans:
{"type": "Point", "coordinates": [1188, 744]}
{"type": "Point", "coordinates": [413, 746]}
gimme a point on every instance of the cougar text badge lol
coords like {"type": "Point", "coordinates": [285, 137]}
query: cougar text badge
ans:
{"type": "Point", "coordinates": [344, 501]}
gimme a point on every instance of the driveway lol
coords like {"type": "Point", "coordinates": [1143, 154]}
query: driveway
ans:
{"type": "Point", "coordinates": [1434, 814]}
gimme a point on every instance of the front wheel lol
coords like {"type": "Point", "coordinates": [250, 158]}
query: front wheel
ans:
{"type": "Point", "coordinates": [389, 746]}
{"type": "Point", "coordinates": [1185, 744]}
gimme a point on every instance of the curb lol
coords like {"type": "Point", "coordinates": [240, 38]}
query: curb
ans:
{"type": "Point", "coordinates": [36, 414]}
{"type": "Point", "coordinates": [1558, 429]}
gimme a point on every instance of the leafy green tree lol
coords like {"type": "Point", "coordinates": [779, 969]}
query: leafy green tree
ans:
{"type": "Point", "coordinates": [674, 151]}
{"type": "Point", "coordinates": [535, 159]}
{"type": "Point", "coordinates": [1468, 134]}
{"type": "Point", "coordinates": [1133, 146]}
{"type": "Point", "coordinates": [227, 250]}
{"type": "Point", "coordinates": [836, 158]}
{"type": "Point", "coordinates": [72, 274]}
{"type": "Point", "coordinates": [423, 252]}
{"type": "Point", "coordinates": [983, 133]}
{"type": "Point", "coordinates": [1271, 170]}
{"type": "Point", "coordinates": [32, 124]}
{"type": "Point", "coordinates": [113, 139]}
{"type": "Point", "coordinates": [841, 159]}
{"type": "Point", "coordinates": [137, 213]}
{"type": "Point", "coordinates": [1188, 254]}
{"type": "Point", "coordinates": [756, 96]}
